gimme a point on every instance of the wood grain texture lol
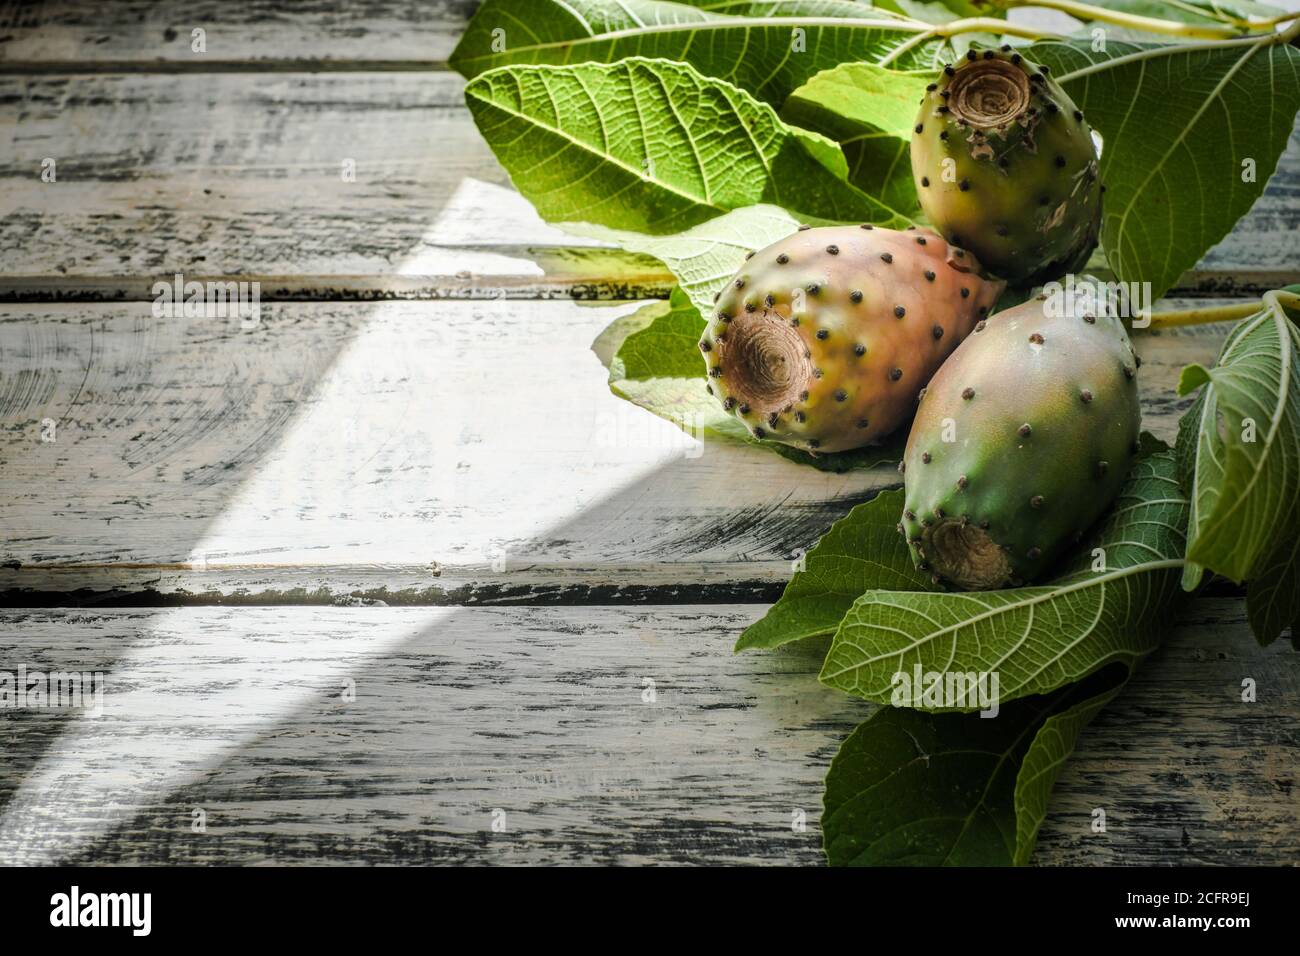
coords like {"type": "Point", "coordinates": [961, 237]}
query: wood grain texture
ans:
{"type": "Point", "coordinates": [441, 454]}
{"type": "Point", "coordinates": [252, 34]}
{"type": "Point", "coordinates": [243, 174]}
{"type": "Point", "coordinates": [540, 713]}
{"type": "Point", "coordinates": [408, 452]}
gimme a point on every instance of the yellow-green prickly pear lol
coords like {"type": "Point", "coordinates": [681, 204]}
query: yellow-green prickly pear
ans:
{"type": "Point", "coordinates": [1006, 166]}
{"type": "Point", "coordinates": [1021, 441]}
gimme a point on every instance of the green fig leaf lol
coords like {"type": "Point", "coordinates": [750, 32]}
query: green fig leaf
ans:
{"type": "Point", "coordinates": [766, 48]}
{"type": "Point", "coordinates": [704, 257]}
{"type": "Point", "coordinates": [1245, 476]}
{"type": "Point", "coordinates": [638, 145]}
{"type": "Point", "coordinates": [1052, 745]}
{"type": "Point", "coordinates": [861, 551]}
{"type": "Point", "coordinates": [668, 347]}
{"type": "Point", "coordinates": [888, 452]}
{"type": "Point", "coordinates": [869, 110]}
{"type": "Point", "coordinates": [1110, 605]}
{"type": "Point", "coordinates": [1182, 126]}
{"type": "Point", "coordinates": [654, 363]}
{"type": "Point", "coordinates": [866, 95]}
{"type": "Point", "coordinates": [1197, 12]}
{"type": "Point", "coordinates": [910, 788]}
{"type": "Point", "coordinates": [1191, 378]}
{"type": "Point", "coordinates": [825, 150]}
{"type": "Point", "coordinates": [1185, 458]}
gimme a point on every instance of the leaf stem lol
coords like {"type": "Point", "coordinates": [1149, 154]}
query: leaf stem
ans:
{"type": "Point", "coordinates": [1289, 34]}
{"type": "Point", "coordinates": [1256, 40]}
{"type": "Point", "coordinates": [969, 25]}
{"type": "Point", "coordinates": [1271, 21]}
{"type": "Point", "coordinates": [1179, 318]}
{"type": "Point", "coordinates": [1282, 299]}
{"type": "Point", "coordinates": [992, 25]}
{"type": "Point", "coordinates": [1087, 12]}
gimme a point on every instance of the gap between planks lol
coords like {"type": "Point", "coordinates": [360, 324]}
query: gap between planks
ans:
{"type": "Point", "coordinates": [612, 278]}
{"type": "Point", "coordinates": [199, 67]}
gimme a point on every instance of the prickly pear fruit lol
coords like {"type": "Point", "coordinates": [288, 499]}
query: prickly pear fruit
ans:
{"type": "Point", "coordinates": [823, 339]}
{"type": "Point", "coordinates": [1006, 166]}
{"type": "Point", "coordinates": [1021, 441]}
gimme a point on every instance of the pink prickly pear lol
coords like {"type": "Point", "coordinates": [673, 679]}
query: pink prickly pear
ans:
{"type": "Point", "coordinates": [824, 339]}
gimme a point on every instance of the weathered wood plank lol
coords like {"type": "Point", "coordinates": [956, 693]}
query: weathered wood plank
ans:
{"type": "Point", "coordinates": [256, 34]}
{"type": "Point", "coordinates": [426, 440]}
{"type": "Point", "coordinates": [540, 713]}
{"type": "Point", "coordinates": [247, 177]}
{"type": "Point", "coordinates": [242, 174]}
{"type": "Point", "coordinates": [400, 451]}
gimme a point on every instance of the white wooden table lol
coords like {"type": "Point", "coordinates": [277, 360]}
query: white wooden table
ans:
{"type": "Point", "coordinates": [394, 564]}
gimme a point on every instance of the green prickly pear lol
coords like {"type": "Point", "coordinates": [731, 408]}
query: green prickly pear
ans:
{"type": "Point", "coordinates": [823, 339]}
{"type": "Point", "coordinates": [1021, 441]}
{"type": "Point", "coordinates": [1006, 166]}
